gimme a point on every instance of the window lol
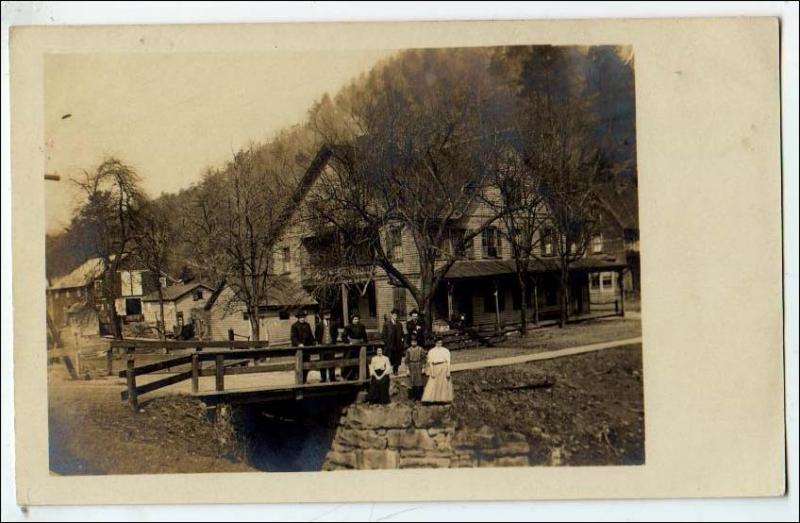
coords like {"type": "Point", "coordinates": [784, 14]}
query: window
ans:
{"type": "Point", "coordinates": [286, 260]}
{"type": "Point", "coordinates": [66, 294]}
{"type": "Point", "coordinates": [548, 242]}
{"type": "Point", "coordinates": [465, 248]}
{"type": "Point", "coordinates": [608, 280]}
{"type": "Point", "coordinates": [490, 243]}
{"type": "Point", "coordinates": [131, 283]}
{"type": "Point", "coordinates": [597, 243]}
{"type": "Point", "coordinates": [594, 279]}
{"type": "Point", "coordinates": [98, 287]}
{"type": "Point", "coordinates": [179, 318]}
{"type": "Point", "coordinates": [399, 299]}
{"type": "Point", "coordinates": [283, 314]}
{"type": "Point", "coordinates": [573, 248]}
{"type": "Point", "coordinates": [394, 244]}
{"type": "Point", "coordinates": [245, 316]}
{"type": "Point", "coordinates": [162, 281]}
{"type": "Point", "coordinates": [550, 296]}
{"type": "Point", "coordinates": [197, 295]}
{"type": "Point", "coordinates": [133, 306]}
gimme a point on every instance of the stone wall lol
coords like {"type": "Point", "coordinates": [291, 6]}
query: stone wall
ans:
{"type": "Point", "coordinates": [405, 436]}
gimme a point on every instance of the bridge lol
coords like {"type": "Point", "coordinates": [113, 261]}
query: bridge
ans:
{"type": "Point", "coordinates": [219, 359]}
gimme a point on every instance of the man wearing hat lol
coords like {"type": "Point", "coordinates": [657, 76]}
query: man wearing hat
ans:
{"type": "Point", "coordinates": [394, 340]}
{"type": "Point", "coordinates": [415, 327]}
{"type": "Point", "coordinates": [327, 333]}
{"type": "Point", "coordinates": [301, 335]}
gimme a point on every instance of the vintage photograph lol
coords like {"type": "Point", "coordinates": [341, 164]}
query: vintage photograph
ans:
{"type": "Point", "coordinates": [342, 259]}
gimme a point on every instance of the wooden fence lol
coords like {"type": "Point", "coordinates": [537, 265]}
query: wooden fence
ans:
{"type": "Point", "coordinates": [237, 357]}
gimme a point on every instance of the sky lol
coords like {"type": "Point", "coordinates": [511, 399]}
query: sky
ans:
{"type": "Point", "coordinates": [171, 116]}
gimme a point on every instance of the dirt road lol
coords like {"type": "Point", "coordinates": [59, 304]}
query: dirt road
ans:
{"type": "Point", "coordinates": [92, 432]}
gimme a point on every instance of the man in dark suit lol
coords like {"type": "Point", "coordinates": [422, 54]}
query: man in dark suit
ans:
{"type": "Point", "coordinates": [301, 335]}
{"type": "Point", "coordinates": [394, 340]}
{"type": "Point", "coordinates": [327, 332]}
{"type": "Point", "coordinates": [354, 334]}
{"type": "Point", "coordinates": [416, 328]}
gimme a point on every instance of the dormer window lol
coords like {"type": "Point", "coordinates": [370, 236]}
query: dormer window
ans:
{"type": "Point", "coordinates": [197, 295]}
{"type": "Point", "coordinates": [597, 243]}
{"type": "Point", "coordinates": [548, 242]}
{"type": "Point", "coordinates": [394, 244]}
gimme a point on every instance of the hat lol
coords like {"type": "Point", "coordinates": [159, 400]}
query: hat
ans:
{"type": "Point", "coordinates": [355, 315]}
{"type": "Point", "coordinates": [413, 337]}
{"type": "Point", "coordinates": [300, 314]}
{"type": "Point", "coordinates": [413, 312]}
{"type": "Point", "coordinates": [395, 311]}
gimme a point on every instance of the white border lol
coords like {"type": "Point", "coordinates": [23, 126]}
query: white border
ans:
{"type": "Point", "coordinates": [69, 13]}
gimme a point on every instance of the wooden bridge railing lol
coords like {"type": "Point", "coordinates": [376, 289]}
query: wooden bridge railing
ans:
{"type": "Point", "coordinates": [234, 357]}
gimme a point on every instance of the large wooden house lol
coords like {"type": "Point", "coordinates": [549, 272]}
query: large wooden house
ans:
{"type": "Point", "coordinates": [482, 284]}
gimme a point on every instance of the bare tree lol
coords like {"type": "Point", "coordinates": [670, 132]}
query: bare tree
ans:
{"type": "Point", "coordinates": [410, 130]}
{"type": "Point", "coordinates": [155, 241]}
{"type": "Point", "coordinates": [234, 227]}
{"type": "Point", "coordinates": [516, 196]}
{"type": "Point", "coordinates": [568, 144]}
{"type": "Point", "coordinates": [107, 222]}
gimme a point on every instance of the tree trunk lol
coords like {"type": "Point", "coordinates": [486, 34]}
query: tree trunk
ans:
{"type": "Point", "coordinates": [564, 295]}
{"type": "Point", "coordinates": [163, 329]}
{"type": "Point", "coordinates": [535, 302]}
{"type": "Point", "coordinates": [255, 327]}
{"type": "Point", "coordinates": [522, 277]}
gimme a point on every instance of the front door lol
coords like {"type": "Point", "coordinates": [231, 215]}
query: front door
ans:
{"type": "Point", "coordinates": [462, 298]}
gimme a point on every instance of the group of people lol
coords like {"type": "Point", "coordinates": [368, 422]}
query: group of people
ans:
{"type": "Point", "coordinates": [428, 371]}
{"type": "Point", "coordinates": [408, 344]}
{"type": "Point", "coordinates": [327, 332]}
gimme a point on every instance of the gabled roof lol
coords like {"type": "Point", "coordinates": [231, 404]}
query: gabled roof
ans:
{"type": "Point", "coordinates": [312, 173]}
{"type": "Point", "coordinates": [175, 292]}
{"type": "Point", "coordinates": [621, 202]}
{"type": "Point", "coordinates": [81, 276]}
{"type": "Point", "coordinates": [283, 292]}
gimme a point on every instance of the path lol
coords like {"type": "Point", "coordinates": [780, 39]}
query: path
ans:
{"type": "Point", "coordinates": [548, 355]}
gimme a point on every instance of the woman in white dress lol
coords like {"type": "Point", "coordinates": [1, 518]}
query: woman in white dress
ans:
{"type": "Point", "coordinates": [439, 388]}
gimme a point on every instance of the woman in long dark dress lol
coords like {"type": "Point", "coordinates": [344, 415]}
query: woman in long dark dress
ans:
{"type": "Point", "coordinates": [379, 368]}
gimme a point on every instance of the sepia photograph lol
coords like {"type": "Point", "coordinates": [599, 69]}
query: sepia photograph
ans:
{"type": "Point", "coordinates": [364, 268]}
{"type": "Point", "coordinates": [342, 260]}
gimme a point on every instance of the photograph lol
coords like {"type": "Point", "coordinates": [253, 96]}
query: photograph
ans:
{"type": "Point", "coordinates": [318, 260]}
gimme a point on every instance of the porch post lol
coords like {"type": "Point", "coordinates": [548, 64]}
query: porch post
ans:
{"type": "Point", "coordinates": [497, 303]}
{"type": "Point", "coordinates": [345, 310]}
{"type": "Point", "coordinates": [535, 302]}
{"type": "Point", "coordinates": [621, 286]}
{"type": "Point", "coordinates": [450, 300]}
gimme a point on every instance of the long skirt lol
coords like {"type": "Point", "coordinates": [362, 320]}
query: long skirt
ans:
{"type": "Point", "coordinates": [415, 378]}
{"type": "Point", "coordinates": [379, 390]}
{"type": "Point", "coordinates": [439, 388]}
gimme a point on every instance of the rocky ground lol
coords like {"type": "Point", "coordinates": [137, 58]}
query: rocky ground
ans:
{"type": "Point", "coordinates": [578, 410]}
